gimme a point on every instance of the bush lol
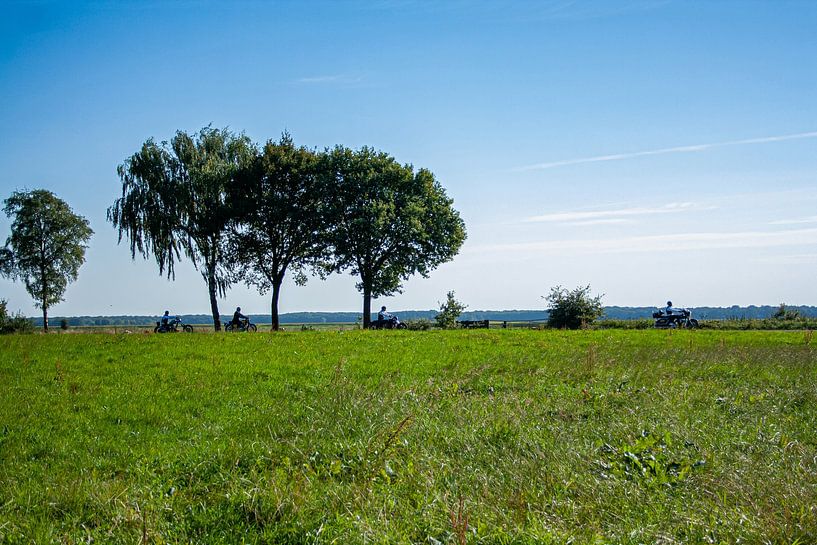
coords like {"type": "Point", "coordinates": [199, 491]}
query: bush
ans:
{"type": "Point", "coordinates": [783, 313]}
{"type": "Point", "coordinates": [13, 324]}
{"type": "Point", "coordinates": [572, 309]}
{"type": "Point", "coordinates": [449, 312]}
{"type": "Point", "coordinates": [421, 324]}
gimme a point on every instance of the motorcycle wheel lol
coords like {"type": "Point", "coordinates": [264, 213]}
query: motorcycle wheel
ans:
{"type": "Point", "coordinates": [402, 326]}
{"type": "Point", "coordinates": [692, 324]}
{"type": "Point", "coordinates": [661, 323]}
{"type": "Point", "coordinates": [228, 328]}
{"type": "Point", "coordinates": [187, 328]}
{"type": "Point", "coordinates": [156, 329]}
{"type": "Point", "coordinates": [252, 328]}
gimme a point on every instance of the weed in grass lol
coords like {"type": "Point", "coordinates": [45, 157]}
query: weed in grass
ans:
{"type": "Point", "coordinates": [648, 459]}
{"type": "Point", "coordinates": [59, 375]}
{"type": "Point", "coordinates": [459, 521]}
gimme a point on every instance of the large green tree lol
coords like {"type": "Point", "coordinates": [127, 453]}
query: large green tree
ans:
{"type": "Point", "coordinates": [281, 218]}
{"type": "Point", "coordinates": [46, 247]}
{"type": "Point", "coordinates": [174, 202]}
{"type": "Point", "coordinates": [389, 221]}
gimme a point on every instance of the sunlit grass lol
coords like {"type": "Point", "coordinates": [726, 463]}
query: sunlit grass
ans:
{"type": "Point", "coordinates": [361, 437]}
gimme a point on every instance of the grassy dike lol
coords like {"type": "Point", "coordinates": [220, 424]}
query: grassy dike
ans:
{"type": "Point", "coordinates": [410, 437]}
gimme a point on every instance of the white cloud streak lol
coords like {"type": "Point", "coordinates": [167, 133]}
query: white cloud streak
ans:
{"type": "Point", "coordinates": [329, 79]}
{"type": "Point", "coordinates": [795, 259]}
{"type": "Point", "coordinates": [608, 221]}
{"type": "Point", "coordinates": [615, 216]}
{"type": "Point", "coordinates": [665, 151]}
{"type": "Point", "coordinates": [659, 243]}
{"type": "Point", "coordinates": [799, 221]}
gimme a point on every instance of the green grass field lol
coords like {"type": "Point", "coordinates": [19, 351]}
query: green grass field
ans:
{"type": "Point", "coordinates": [432, 437]}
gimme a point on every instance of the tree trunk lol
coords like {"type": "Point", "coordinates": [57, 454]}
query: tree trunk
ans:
{"type": "Point", "coordinates": [276, 292]}
{"type": "Point", "coordinates": [212, 288]}
{"type": "Point", "coordinates": [44, 293]}
{"type": "Point", "coordinates": [367, 307]}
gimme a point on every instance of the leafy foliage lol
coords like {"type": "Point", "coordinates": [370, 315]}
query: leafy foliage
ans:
{"type": "Point", "coordinates": [421, 324]}
{"type": "Point", "coordinates": [784, 313]}
{"type": "Point", "coordinates": [16, 323]}
{"type": "Point", "coordinates": [279, 217]}
{"type": "Point", "coordinates": [450, 310]}
{"type": "Point", "coordinates": [174, 202]}
{"type": "Point", "coordinates": [649, 458]}
{"type": "Point", "coordinates": [389, 221]}
{"type": "Point", "coordinates": [46, 247]}
{"type": "Point", "coordinates": [573, 309]}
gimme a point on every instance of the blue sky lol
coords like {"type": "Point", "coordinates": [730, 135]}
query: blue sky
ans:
{"type": "Point", "coordinates": [654, 149]}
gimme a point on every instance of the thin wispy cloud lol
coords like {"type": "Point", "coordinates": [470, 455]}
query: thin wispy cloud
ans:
{"type": "Point", "coordinates": [794, 259]}
{"type": "Point", "coordinates": [658, 243]}
{"type": "Point", "coordinates": [344, 79]}
{"type": "Point", "coordinates": [796, 221]}
{"type": "Point", "coordinates": [618, 215]}
{"type": "Point", "coordinates": [609, 221]}
{"type": "Point", "coordinates": [665, 151]}
{"type": "Point", "coordinates": [510, 12]}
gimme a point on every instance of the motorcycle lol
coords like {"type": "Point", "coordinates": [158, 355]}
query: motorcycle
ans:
{"type": "Point", "coordinates": [172, 326]}
{"type": "Point", "coordinates": [244, 325]}
{"type": "Point", "coordinates": [681, 318]}
{"type": "Point", "coordinates": [390, 323]}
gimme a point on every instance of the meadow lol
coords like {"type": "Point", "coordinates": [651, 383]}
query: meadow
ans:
{"type": "Point", "coordinates": [481, 436]}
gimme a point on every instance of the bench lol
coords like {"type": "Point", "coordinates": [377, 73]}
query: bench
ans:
{"type": "Point", "coordinates": [474, 324]}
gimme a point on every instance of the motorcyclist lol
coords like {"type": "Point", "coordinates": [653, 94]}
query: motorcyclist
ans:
{"type": "Point", "coordinates": [165, 321]}
{"type": "Point", "coordinates": [237, 317]}
{"type": "Point", "coordinates": [384, 317]}
{"type": "Point", "coordinates": [670, 310]}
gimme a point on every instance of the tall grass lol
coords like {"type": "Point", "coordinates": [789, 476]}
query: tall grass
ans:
{"type": "Point", "coordinates": [409, 437]}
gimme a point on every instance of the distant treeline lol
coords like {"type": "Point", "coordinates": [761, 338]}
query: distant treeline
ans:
{"type": "Point", "coordinates": [610, 313]}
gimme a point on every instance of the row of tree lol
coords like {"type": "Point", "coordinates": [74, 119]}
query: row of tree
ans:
{"type": "Point", "coordinates": [242, 212]}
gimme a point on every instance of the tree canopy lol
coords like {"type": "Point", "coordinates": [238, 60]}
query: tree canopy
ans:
{"type": "Point", "coordinates": [572, 309]}
{"type": "Point", "coordinates": [389, 221]}
{"type": "Point", "coordinates": [280, 219]}
{"type": "Point", "coordinates": [46, 247]}
{"type": "Point", "coordinates": [174, 202]}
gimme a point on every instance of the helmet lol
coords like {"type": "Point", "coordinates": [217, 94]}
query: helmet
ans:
{"type": "Point", "coordinates": [238, 309]}
{"type": "Point", "coordinates": [669, 303]}
{"type": "Point", "coordinates": [383, 307]}
{"type": "Point", "coordinates": [167, 312]}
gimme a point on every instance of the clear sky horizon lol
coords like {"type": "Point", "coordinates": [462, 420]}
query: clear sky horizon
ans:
{"type": "Point", "coordinates": [653, 149]}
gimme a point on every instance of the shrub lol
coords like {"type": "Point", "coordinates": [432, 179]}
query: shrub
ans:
{"type": "Point", "coordinates": [783, 313]}
{"type": "Point", "coordinates": [420, 324]}
{"type": "Point", "coordinates": [572, 309]}
{"type": "Point", "coordinates": [450, 310]}
{"type": "Point", "coordinates": [13, 324]}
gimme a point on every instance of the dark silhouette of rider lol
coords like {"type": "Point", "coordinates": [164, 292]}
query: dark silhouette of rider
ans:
{"type": "Point", "coordinates": [166, 319]}
{"type": "Point", "coordinates": [237, 317]}
{"type": "Point", "coordinates": [383, 317]}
